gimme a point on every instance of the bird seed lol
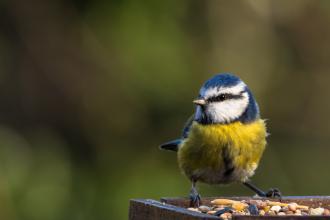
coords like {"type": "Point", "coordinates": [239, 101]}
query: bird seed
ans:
{"type": "Point", "coordinates": [227, 208]}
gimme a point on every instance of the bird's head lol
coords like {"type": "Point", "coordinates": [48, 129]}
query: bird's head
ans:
{"type": "Point", "coordinates": [223, 99]}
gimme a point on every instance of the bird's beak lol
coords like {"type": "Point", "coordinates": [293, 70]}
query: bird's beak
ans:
{"type": "Point", "coordinates": [200, 102]}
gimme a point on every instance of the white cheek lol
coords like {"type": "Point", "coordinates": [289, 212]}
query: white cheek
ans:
{"type": "Point", "coordinates": [226, 111]}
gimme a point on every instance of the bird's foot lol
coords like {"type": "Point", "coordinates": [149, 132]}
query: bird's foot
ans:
{"type": "Point", "coordinates": [273, 193]}
{"type": "Point", "coordinates": [195, 198]}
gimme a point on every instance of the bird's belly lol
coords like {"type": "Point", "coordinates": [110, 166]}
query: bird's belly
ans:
{"type": "Point", "coordinates": [218, 154]}
{"type": "Point", "coordinates": [221, 176]}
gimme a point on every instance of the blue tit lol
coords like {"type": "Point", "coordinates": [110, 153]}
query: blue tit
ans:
{"type": "Point", "coordinates": [224, 139]}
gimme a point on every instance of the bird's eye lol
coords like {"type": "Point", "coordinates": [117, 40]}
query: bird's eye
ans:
{"type": "Point", "coordinates": [222, 97]}
{"type": "Point", "coordinates": [218, 98]}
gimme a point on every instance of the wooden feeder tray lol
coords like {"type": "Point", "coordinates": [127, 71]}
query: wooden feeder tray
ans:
{"type": "Point", "coordinates": [176, 208]}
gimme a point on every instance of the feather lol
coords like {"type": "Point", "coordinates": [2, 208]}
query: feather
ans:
{"type": "Point", "coordinates": [171, 145]}
{"type": "Point", "coordinates": [187, 126]}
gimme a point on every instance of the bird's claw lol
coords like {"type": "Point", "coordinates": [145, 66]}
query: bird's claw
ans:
{"type": "Point", "coordinates": [273, 193]}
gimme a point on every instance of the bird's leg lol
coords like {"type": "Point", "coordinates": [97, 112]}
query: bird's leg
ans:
{"type": "Point", "coordinates": [194, 196]}
{"type": "Point", "coordinates": [271, 193]}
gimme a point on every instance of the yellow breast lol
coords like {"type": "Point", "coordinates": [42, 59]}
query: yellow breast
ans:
{"type": "Point", "coordinates": [211, 149]}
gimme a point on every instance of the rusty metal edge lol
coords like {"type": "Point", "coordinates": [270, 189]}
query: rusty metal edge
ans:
{"type": "Point", "coordinates": [187, 213]}
{"type": "Point", "coordinates": [162, 205]}
{"type": "Point", "coordinates": [164, 199]}
{"type": "Point", "coordinates": [287, 217]}
{"type": "Point", "coordinates": [184, 200]}
{"type": "Point", "coordinates": [169, 199]}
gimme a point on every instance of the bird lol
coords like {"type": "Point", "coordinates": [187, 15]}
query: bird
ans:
{"type": "Point", "coordinates": [224, 140]}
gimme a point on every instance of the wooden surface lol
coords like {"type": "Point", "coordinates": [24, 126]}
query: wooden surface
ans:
{"type": "Point", "coordinates": [175, 209]}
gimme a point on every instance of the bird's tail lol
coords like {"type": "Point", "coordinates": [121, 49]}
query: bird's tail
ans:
{"type": "Point", "coordinates": [171, 145]}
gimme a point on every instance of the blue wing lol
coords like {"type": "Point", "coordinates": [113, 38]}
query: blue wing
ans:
{"type": "Point", "coordinates": [187, 126]}
{"type": "Point", "coordinates": [174, 145]}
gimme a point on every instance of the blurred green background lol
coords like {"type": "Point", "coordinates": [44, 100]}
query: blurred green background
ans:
{"type": "Point", "coordinates": [89, 89]}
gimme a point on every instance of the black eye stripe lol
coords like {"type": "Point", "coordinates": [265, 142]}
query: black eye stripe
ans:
{"type": "Point", "coordinates": [224, 96]}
